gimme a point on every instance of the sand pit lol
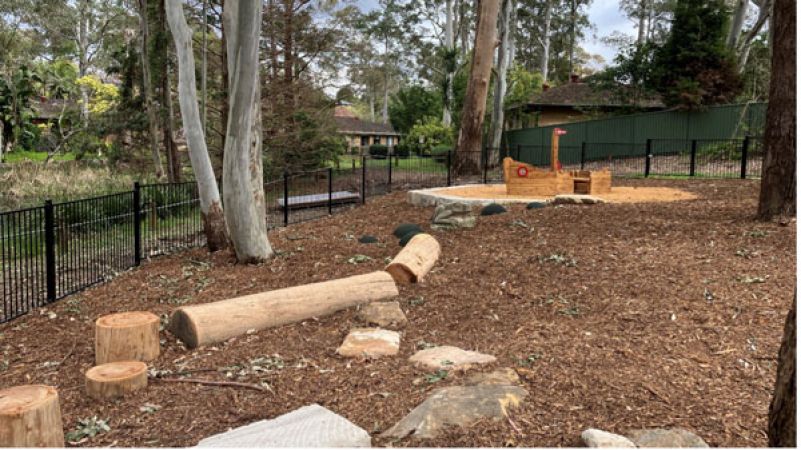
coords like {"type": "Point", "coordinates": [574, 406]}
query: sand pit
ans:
{"type": "Point", "coordinates": [489, 193]}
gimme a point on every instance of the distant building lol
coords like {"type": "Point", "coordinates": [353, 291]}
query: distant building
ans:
{"type": "Point", "coordinates": [46, 111]}
{"type": "Point", "coordinates": [572, 102]}
{"type": "Point", "coordinates": [362, 133]}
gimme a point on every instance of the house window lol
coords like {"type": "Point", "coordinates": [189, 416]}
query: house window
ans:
{"type": "Point", "coordinates": [376, 139]}
{"type": "Point", "coordinates": [365, 141]}
{"type": "Point", "coordinates": [389, 141]}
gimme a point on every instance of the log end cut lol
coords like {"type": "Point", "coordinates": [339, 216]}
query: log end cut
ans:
{"type": "Point", "coordinates": [415, 260]}
{"type": "Point", "coordinates": [126, 336]}
{"type": "Point", "coordinates": [182, 326]}
{"type": "Point", "coordinates": [30, 416]}
{"type": "Point", "coordinates": [112, 380]}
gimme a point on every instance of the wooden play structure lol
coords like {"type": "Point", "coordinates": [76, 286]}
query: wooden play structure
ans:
{"type": "Point", "coordinates": [527, 180]}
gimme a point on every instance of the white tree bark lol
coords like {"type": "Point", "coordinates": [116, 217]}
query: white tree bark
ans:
{"type": "Point", "coordinates": [243, 189]}
{"type": "Point", "coordinates": [210, 206]}
{"type": "Point", "coordinates": [744, 46]}
{"type": "Point", "coordinates": [545, 42]}
{"type": "Point", "coordinates": [737, 21]}
{"type": "Point", "coordinates": [506, 28]}
{"type": "Point", "coordinates": [449, 46]}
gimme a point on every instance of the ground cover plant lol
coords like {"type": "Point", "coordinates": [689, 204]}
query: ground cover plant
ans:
{"type": "Point", "coordinates": [616, 316]}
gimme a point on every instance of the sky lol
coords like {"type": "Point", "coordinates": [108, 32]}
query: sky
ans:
{"type": "Point", "coordinates": [605, 15]}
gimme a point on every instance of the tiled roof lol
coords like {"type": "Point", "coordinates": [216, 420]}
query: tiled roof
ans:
{"type": "Point", "coordinates": [355, 125]}
{"type": "Point", "coordinates": [51, 108]}
{"type": "Point", "coordinates": [584, 94]}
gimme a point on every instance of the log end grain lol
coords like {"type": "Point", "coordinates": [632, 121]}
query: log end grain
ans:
{"type": "Point", "coordinates": [112, 380]}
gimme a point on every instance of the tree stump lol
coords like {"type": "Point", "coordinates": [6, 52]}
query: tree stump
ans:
{"type": "Point", "coordinates": [113, 380]}
{"type": "Point", "coordinates": [415, 260]}
{"type": "Point", "coordinates": [127, 336]}
{"type": "Point", "coordinates": [30, 417]}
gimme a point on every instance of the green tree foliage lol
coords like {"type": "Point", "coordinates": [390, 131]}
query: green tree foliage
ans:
{"type": "Point", "coordinates": [16, 91]}
{"type": "Point", "coordinates": [694, 68]}
{"type": "Point", "coordinates": [409, 104]}
{"type": "Point", "coordinates": [522, 84]}
{"type": "Point", "coordinates": [427, 134]}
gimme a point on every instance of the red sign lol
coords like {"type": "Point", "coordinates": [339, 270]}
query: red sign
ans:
{"type": "Point", "coordinates": [560, 131]}
{"type": "Point", "coordinates": [522, 172]}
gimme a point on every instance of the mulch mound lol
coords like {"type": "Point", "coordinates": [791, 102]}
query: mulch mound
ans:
{"type": "Point", "coordinates": [617, 316]}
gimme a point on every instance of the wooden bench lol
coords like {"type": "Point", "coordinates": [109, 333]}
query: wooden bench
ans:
{"type": "Point", "coordinates": [591, 182]}
{"type": "Point", "coordinates": [319, 200]}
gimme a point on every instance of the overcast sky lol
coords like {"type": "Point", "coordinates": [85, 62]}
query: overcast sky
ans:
{"type": "Point", "coordinates": [605, 15]}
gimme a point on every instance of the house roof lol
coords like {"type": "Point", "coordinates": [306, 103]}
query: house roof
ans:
{"type": "Point", "coordinates": [354, 125]}
{"type": "Point", "coordinates": [585, 94]}
{"type": "Point", "coordinates": [51, 108]}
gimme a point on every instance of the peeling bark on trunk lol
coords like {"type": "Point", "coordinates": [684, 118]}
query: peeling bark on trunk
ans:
{"type": "Point", "coordinates": [468, 149]}
{"type": "Point", "coordinates": [243, 188]}
{"type": "Point", "coordinates": [210, 206]}
{"type": "Point", "coordinates": [777, 192]}
{"type": "Point", "coordinates": [782, 417]}
{"type": "Point", "coordinates": [152, 119]}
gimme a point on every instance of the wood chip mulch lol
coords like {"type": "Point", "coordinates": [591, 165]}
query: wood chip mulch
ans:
{"type": "Point", "coordinates": [617, 316]}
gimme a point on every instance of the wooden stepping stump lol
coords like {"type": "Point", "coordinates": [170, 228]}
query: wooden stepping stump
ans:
{"type": "Point", "coordinates": [127, 336]}
{"type": "Point", "coordinates": [30, 417]}
{"type": "Point", "coordinates": [113, 380]}
{"type": "Point", "coordinates": [415, 260]}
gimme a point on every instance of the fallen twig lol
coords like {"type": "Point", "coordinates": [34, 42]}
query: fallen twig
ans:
{"type": "Point", "coordinates": [69, 353]}
{"type": "Point", "coordinates": [212, 383]}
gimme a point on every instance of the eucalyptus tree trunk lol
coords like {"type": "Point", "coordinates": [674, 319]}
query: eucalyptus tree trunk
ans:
{"type": "Point", "coordinates": [468, 148]}
{"type": "Point", "coordinates": [505, 30]}
{"type": "Point", "coordinates": [737, 21]}
{"type": "Point", "coordinates": [744, 46]}
{"type": "Point", "coordinates": [150, 107]}
{"type": "Point", "coordinates": [449, 64]}
{"type": "Point", "coordinates": [210, 205]}
{"type": "Point", "coordinates": [572, 49]}
{"type": "Point", "coordinates": [243, 188]}
{"type": "Point", "coordinates": [782, 416]}
{"type": "Point", "coordinates": [777, 191]}
{"type": "Point", "coordinates": [545, 41]}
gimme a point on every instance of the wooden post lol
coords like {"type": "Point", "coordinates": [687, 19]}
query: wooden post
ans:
{"type": "Point", "coordinates": [30, 417]}
{"type": "Point", "coordinates": [113, 380]}
{"type": "Point", "coordinates": [555, 149]}
{"type": "Point", "coordinates": [127, 336]}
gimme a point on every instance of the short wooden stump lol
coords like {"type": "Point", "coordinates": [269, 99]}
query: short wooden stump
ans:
{"type": "Point", "coordinates": [30, 416]}
{"type": "Point", "coordinates": [127, 336]}
{"type": "Point", "coordinates": [114, 380]}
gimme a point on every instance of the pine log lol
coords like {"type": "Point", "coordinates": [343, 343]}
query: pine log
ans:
{"type": "Point", "coordinates": [415, 260]}
{"type": "Point", "coordinates": [30, 416]}
{"type": "Point", "coordinates": [209, 323]}
{"type": "Point", "coordinates": [127, 336]}
{"type": "Point", "coordinates": [115, 379]}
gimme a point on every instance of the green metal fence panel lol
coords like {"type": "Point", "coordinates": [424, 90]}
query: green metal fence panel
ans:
{"type": "Point", "coordinates": [631, 131]}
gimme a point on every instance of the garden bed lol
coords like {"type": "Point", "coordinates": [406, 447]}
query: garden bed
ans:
{"type": "Point", "coordinates": [618, 316]}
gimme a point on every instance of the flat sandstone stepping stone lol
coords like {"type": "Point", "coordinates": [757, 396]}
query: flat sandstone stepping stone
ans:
{"type": "Point", "coordinates": [383, 314]}
{"type": "Point", "coordinates": [666, 437]}
{"type": "Point", "coordinates": [448, 357]}
{"type": "Point", "coordinates": [594, 438]}
{"type": "Point", "coordinates": [457, 405]}
{"type": "Point", "coordinates": [370, 343]}
{"type": "Point", "coordinates": [577, 199]}
{"type": "Point", "coordinates": [310, 426]}
{"type": "Point", "coordinates": [504, 377]}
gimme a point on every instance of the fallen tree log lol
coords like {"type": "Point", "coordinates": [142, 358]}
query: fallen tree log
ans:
{"type": "Point", "coordinates": [127, 336]}
{"type": "Point", "coordinates": [209, 323]}
{"type": "Point", "coordinates": [30, 417]}
{"type": "Point", "coordinates": [415, 260]}
{"type": "Point", "coordinates": [113, 380]}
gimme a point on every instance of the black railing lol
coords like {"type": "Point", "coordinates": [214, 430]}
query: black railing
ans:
{"type": "Point", "coordinates": [57, 249]}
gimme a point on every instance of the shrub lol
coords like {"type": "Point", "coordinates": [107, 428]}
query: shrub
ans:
{"type": "Point", "coordinates": [402, 151]}
{"type": "Point", "coordinates": [440, 153]}
{"type": "Point", "coordinates": [378, 151]}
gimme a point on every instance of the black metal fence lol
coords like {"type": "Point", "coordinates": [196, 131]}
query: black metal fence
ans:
{"type": "Point", "coordinates": [57, 249]}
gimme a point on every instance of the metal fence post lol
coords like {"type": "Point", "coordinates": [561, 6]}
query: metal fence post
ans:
{"type": "Point", "coordinates": [389, 171]}
{"type": "Point", "coordinates": [647, 157]}
{"type": "Point", "coordinates": [50, 250]}
{"type": "Point", "coordinates": [744, 157]}
{"type": "Point", "coordinates": [286, 198]}
{"type": "Point", "coordinates": [137, 225]}
{"type": "Point", "coordinates": [484, 158]}
{"type": "Point", "coordinates": [449, 167]}
{"type": "Point", "coordinates": [330, 190]}
{"type": "Point", "coordinates": [517, 158]}
{"type": "Point", "coordinates": [693, 154]}
{"type": "Point", "coordinates": [364, 180]}
{"type": "Point", "coordinates": [583, 154]}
